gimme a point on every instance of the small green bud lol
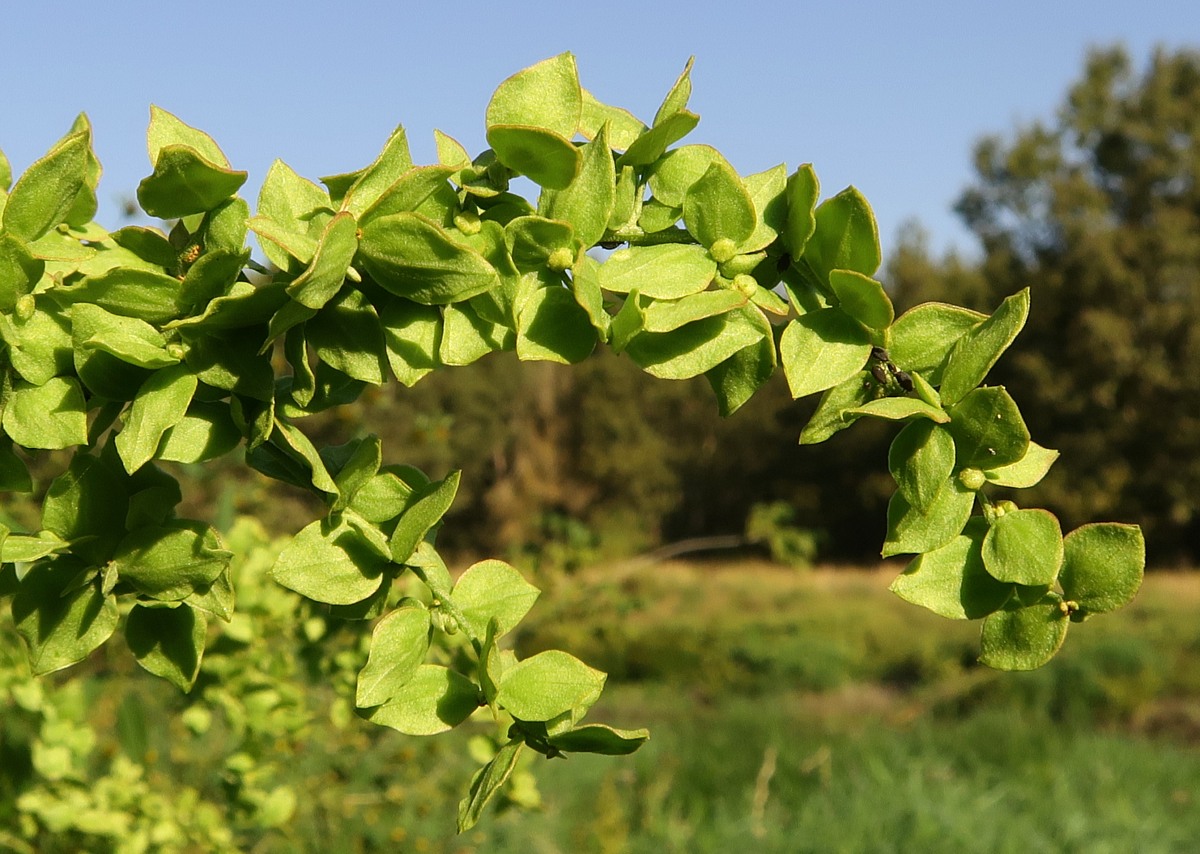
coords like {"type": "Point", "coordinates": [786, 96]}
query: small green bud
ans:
{"type": "Point", "coordinates": [26, 307]}
{"type": "Point", "coordinates": [467, 222]}
{"type": "Point", "coordinates": [1002, 507]}
{"type": "Point", "coordinates": [742, 264]}
{"type": "Point", "coordinates": [561, 259]}
{"type": "Point", "coordinates": [972, 479]}
{"type": "Point", "coordinates": [723, 250]}
{"type": "Point", "coordinates": [176, 351]}
{"type": "Point", "coordinates": [745, 285]}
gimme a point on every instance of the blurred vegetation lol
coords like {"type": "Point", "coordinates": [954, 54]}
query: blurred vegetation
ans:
{"type": "Point", "coordinates": [805, 711]}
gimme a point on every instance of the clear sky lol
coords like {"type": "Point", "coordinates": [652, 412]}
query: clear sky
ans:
{"type": "Point", "coordinates": [887, 96]}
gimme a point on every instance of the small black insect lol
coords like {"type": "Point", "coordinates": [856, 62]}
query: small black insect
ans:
{"type": "Point", "coordinates": [902, 377]}
{"type": "Point", "coordinates": [880, 374]}
{"type": "Point", "coordinates": [880, 355]}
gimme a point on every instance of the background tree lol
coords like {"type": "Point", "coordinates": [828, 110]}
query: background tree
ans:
{"type": "Point", "coordinates": [1098, 212]}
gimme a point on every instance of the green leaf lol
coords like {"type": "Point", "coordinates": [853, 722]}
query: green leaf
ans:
{"type": "Point", "coordinates": [830, 414]}
{"type": "Point", "coordinates": [347, 336]}
{"type": "Point", "coordinates": [59, 629]}
{"type": "Point", "coordinates": [666, 315]}
{"type": "Point", "coordinates": [768, 191]}
{"type": "Point", "coordinates": [211, 277]}
{"type": "Point", "coordinates": [19, 270]}
{"type": "Point", "coordinates": [1025, 472]}
{"type": "Point", "coordinates": [737, 378]}
{"type": "Point", "coordinates": [988, 429]}
{"type": "Point", "coordinates": [546, 95]}
{"type": "Point", "coordinates": [168, 642]}
{"type": "Point", "coordinates": [166, 129]}
{"type": "Point", "coordinates": [822, 349]}
{"type": "Point", "coordinates": [655, 216]}
{"type": "Point", "coordinates": [649, 147]}
{"type": "Point", "coordinates": [846, 236]}
{"type": "Point", "coordinates": [468, 336]}
{"type": "Point", "coordinates": [184, 182]}
{"type": "Point", "coordinates": [952, 581]}
{"type": "Point", "coordinates": [532, 240]}
{"type": "Point", "coordinates": [493, 590]}
{"type": "Point", "coordinates": [673, 174]}
{"type": "Point", "coordinates": [1024, 547]}
{"type": "Point", "coordinates": [412, 334]}
{"type": "Point", "coordinates": [161, 403]}
{"type": "Point", "coordinates": [217, 599]}
{"type": "Point", "coordinates": [283, 202]}
{"type": "Point", "coordinates": [398, 646]}
{"type": "Point", "coordinates": [921, 459]}
{"type": "Point", "coordinates": [48, 416]}
{"type": "Point", "coordinates": [231, 361]}
{"type": "Point", "coordinates": [330, 561]}
{"type": "Point", "coordinates": [435, 700]}
{"type": "Point", "coordinates": [392, 162]}
{"type": "Point", "coordinates": [450, 151]}
{"type": "Point", "coordinates": [148, 244]}
{"type": "Point", "coordinates": [169, 564]}
{"type": "Point", "coordinates": [205, 432]}
{"type": "Point", "coordinates": [17, 548]}
{"type": "Point", "coordinates": [40, 347]}
{"type": "Point", "coordinates": [129, 339]}
{"type": "Point", "coordinates": [676, 99]}
{"type": "Point", "coordinates": [414, 258]}
{"type": "Point", "coordinates": [14, 475]}
{"type": "Point", "coordinates": [977, 351]}
{"type": "Point", "coordinates": [909, 531]}
{"type": "Point", "coordinates": [898, 409]}
{"type": "Point", "coordinates": [803, 190]}
{"type": "Point", "coordinates": [586, 202]}
{"type": "Point", "coordinates": [667, 271]}
{"type": "Point", "coordinates": [381, 498]}
{"type": "Point", "coordinates": [87, 505]}
{"type": "Point", "coordinates": [429, 504]}
{"type": "Point", "coordinates": [423, 189]}
{"type": "Point", "coordinates": [627, 323]}
{"type": "Point", "coordinates": [1103, 564]}
{"type": "Point", "coordinates": [696, 347]}
{"type": "Point", "coordinates": [224, 228]}
{"type": "Point", "coordinates": [585, 285]}
{"type": "Point", "coordinates": [598, 738]}
{"type": "Point", "coordinates": [862, 298]}
{"type": "Point", "coordinates": [354, 465]}
{"type": "Point", "coordinates": [487, 781]}
{"type": "Point", "coordinates": [553, 327]}
{"type": "Point", "coordinates": [624, 126]}
{"type": "Point", "coordinates": [547, 685]}
{"type": "Point", "coordinates": [1024, 638]}
{"type": "Point", "coordinates": [243, 307]}
{"type": "Point", "coordinates": [718, 207]}
{"type": "Point", "coordinates": [543, 156]}
{"type": "Point", "coordinates": [323, 278]}
{"type": "Point", "coordinates": [43, 196]}
{"type": "Point", "coordinates": [281, 244]}
{"type": "Point", "coordinates": [147, 294]}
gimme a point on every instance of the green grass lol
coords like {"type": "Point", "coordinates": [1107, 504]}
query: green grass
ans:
{"type": "Point", "coordinates": [789, 712]}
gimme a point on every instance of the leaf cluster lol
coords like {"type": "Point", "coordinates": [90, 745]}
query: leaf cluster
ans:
{"type": "Point", "coordinates": [140, 346]}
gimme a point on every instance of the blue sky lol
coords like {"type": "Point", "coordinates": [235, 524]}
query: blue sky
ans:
{"type": "Point", "coordinates": [889, 97]}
